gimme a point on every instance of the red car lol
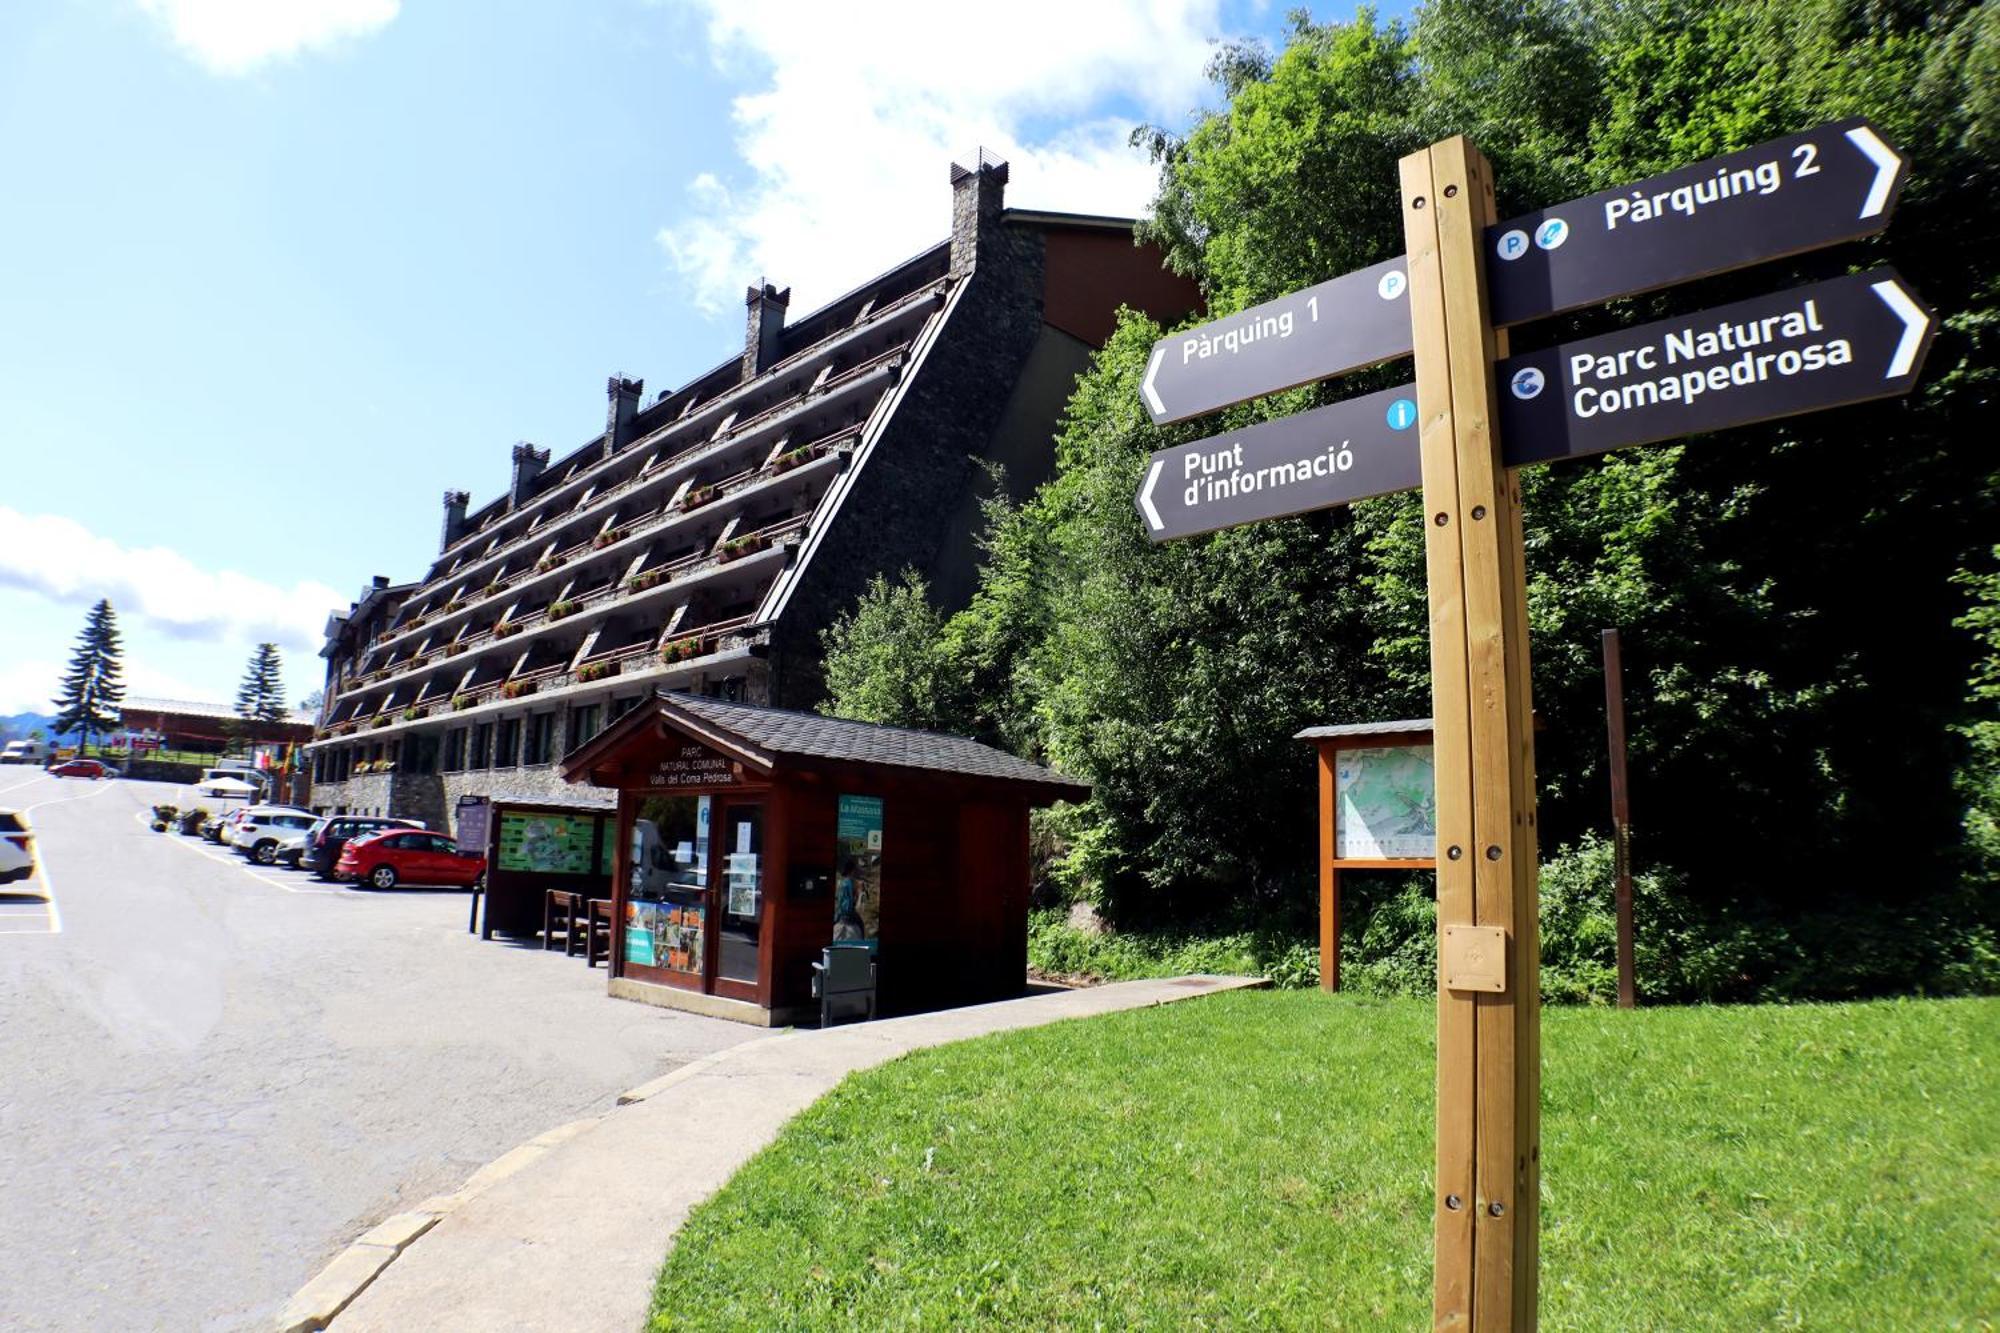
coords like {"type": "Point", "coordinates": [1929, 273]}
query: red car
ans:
{"type": "Point", "coordinates": [83, 768]}
{"type": "Point", "coordinates": [407, 856]}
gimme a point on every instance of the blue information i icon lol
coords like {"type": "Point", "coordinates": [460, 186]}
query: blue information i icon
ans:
{"type": "Point", "coordinates": [1402, 413]}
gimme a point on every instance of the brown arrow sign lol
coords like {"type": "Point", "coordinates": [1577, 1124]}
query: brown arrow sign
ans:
{"type": "Point", "coordinates": [1829, 344]}
{"type": "Point", "coordinates": [1835, 183]}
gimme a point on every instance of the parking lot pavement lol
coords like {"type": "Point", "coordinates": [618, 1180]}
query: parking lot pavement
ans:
{"type": "Point", "coordinates": [214, 1076]}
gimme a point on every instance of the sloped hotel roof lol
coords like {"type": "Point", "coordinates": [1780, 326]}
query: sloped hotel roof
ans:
{"type": "Point", "coordinates": [776, 738]}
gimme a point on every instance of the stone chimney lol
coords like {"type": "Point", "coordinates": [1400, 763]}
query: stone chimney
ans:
{"type": "Point", "coordinates": [975, 212]}
{"type": "Point", "coordinates": [624, 406]}
{"type": "Point", "coordinates": [454, 523]}
{"type": "Point", "coordinates": [528, 464]}
{"type": "Point", "coordinates": [766, 320]}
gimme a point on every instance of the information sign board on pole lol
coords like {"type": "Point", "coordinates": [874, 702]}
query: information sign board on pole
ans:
{"type": "Point", "coordinates": [1835, 183]}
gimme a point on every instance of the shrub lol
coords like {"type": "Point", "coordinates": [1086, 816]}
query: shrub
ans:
{"type": "Point", "coordinates": [559, 609]}
{"type": "Point", "coordinates": [460, 702]}
{"type": "Point", "coordinates": [415, 711]}
{"type": "Point", "coordinates": [191, 821]}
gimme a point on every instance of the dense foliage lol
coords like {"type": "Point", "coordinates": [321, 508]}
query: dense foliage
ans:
{"type": "Point", "coordinates": [1813, 743]}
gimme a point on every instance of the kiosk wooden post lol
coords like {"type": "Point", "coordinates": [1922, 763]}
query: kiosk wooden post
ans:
{"type": "Point", "coordinates": [1489, 1002]}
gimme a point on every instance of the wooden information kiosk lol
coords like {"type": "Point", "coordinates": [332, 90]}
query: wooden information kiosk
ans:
{"type": "Point", "coordinates": [1377, 811]}
{"type": "Point", "coordinates": [748, 839]}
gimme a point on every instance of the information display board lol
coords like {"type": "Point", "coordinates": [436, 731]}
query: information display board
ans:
{"type": "Point", "coordinates": [857, 884]}
{"type": "Point", "coordinates": [549, 844]}
{"type": "Point", "coordinates": [1385, 805]}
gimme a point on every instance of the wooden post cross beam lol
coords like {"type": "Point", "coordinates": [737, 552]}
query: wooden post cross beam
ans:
{"type": "Point", "coordinates": [1489, 1040]}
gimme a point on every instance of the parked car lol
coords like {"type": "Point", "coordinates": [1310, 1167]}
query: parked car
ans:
{"type": "Point", "coordinates": [17, 847]}
{"type": "Point", "coordinates": [230, 781]}
{"type": "Point", "coordinates": [325, 839]}
{"type": "Point", "coordinates": [83, 768]}
{"type": "Point", "coordinates": [25, 752]}
{"type": "Point", "coordinates": [260, 829]}
{"type": "Point", "coordinates": [234, 822]}
{"type": "Point", "coordinates": [408, 856]}
{"type": "Point", "coordinates": [292, 849]}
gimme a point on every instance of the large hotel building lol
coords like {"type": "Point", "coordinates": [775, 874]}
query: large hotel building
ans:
{"type": "Point", "coordinates": [704, 539]}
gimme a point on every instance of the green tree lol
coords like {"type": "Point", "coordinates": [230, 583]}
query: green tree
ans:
{"type": "Point", "coordinates": [884, 661]}
{"type": "Point", "coordinates": [92, 688]}
{"type": "Point", "coordinates": [1795, 684]}
{"type": "Point", "coordinates": [261, 696]}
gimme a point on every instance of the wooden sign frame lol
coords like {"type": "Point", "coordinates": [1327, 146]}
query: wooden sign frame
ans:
{"type": "Point", "coordinates": [1330, 741]}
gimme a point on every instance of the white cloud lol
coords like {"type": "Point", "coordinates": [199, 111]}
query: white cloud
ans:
{"type": "Point", "coordinates": [236, 36]}
{"type": "Point", "coordinates": [861, 108]}
{"type": "Point", "coordinates": [64, 562]}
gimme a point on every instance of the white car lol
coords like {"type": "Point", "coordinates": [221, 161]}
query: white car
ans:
{"type": "Point", "coordinates": [257, 831]}
{"type": "Point", "coordinates": [228, 782]}
{"type": "Point", "coordinates": [292, 848]}
{"type": "Point", "coordinates": [17, 847]}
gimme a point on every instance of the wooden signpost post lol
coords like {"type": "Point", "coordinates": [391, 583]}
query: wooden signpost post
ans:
{"type": "Point", "coordinates": [1458, 435]}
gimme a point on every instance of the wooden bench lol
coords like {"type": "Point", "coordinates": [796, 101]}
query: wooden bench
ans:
{"type": "Point", "coordinates": [597, 933]}
{"type": "Point", "coordinates": [569, 909]}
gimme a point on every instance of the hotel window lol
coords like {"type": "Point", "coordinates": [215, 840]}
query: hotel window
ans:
{"type": "Point", "coordinates": [508, 750]}
{"type": "Point", "coordinates": [482, 746]}
{"type": "Point", "coordinates": [582, 724]}
{"type": "Point", "coordinates": [541, 738]}
{"type": "Point", "coordinates": [454, 750]}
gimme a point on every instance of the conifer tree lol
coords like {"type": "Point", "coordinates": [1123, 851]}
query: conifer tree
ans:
{"type": "Point", "coordinates": [261, 698]}
{"type": "Point", "coordinates": [92, 688]}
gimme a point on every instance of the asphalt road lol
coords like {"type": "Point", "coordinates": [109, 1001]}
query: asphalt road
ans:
{"type": "Point", "coordinates": [212, 1077]}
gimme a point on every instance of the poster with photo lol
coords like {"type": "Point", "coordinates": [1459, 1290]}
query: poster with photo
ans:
{"type": "Point", "coordinates": [642, 922]}
{"type": "Point", "coordinates": [857, 870]}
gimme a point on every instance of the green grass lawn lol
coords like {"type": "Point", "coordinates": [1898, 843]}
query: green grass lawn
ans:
{"type": "Point", "coordinates": [1262, 1160]}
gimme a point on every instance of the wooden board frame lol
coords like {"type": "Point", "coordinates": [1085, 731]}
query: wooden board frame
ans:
{"type": "Point", "coordinates": [1330, 865]}
{"type": "Point", "coordinates": [1488, 1050]}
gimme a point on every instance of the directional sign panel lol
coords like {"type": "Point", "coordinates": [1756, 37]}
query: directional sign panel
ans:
{"type": "Point", "coordinates": [1353, 321]}
{"type": "Point", "coordinates": [1828, 185]}
{"type": "Point", "coordinates": [1832, 184]}
{"type": "Point", "coordinates": [1311, 460]}
{"type": "Point", "coordinates": [1823, 345]}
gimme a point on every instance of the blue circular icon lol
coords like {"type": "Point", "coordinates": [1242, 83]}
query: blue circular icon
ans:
{"type": "Point", "coordinates": [1551, 233]}
{"type": "Point", "coordinates": [1392, 284]}
{"type": "Point", "coordinates": [1527, 382]}
{"type": "Point", "coordinates": [1402, 413]}
{"type": "Point", "coordinates": [1513, 245]}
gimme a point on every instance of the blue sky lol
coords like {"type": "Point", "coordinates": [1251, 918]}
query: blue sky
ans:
{"type": "Point", "coordinates": [275, 275]}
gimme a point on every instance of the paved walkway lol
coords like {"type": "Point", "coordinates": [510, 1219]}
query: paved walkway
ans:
{"type": "Point", "coordinates": [567, 1232]}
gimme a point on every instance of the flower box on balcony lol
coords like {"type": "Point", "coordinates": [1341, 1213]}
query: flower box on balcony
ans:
{"type": "Point", "coordinates": [611, 538]}
{"type": "Point", "coordinates": [414, 622]}
{"type": "Point", "coordinates": [455, 604]}
{"type": "Point", "coordinates": [453, 649]}
{"type": "Point", "coordinates": [697, 497]}
{"type": "Point", "coordinates": [680, 650]}
{"type": "Point", "coordinates": [381, 722]}
{"type": "Point", "coordinates": [505, 629]}
{"type": "Point", "coordinates": [492, 588]}
{"type": "Point", "coordinates": [461, 702]}
{"type": "Point", "coordinates": [565, 607]}
{"type": "Point", "coordinates": [415, 712]}
{"type": "Point", "coordinates": [547, 563]}
{"type": "Point", "coordinates": [590, 671]}
{"type": "Point", "coordinates": [518, 689]}
{"type": "Point", "coordinates": [738, 547]}
{"type": "Point", "coordinates": [787, 461]}
{"type": "Point", "coordinates": [644, 579]}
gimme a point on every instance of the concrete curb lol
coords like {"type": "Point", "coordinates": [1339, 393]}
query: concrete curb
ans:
{"type": "Point", "coordinates": [335, 1287]}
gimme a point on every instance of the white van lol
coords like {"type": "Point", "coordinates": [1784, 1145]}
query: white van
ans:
{"type": "Point", "coordinates": [25, 752]}
{"type": "Point", "coordinates": [231, 780]}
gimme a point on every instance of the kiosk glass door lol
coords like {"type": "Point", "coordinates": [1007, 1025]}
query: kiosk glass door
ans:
{"type": "Point", "coordinates": [740, 881]}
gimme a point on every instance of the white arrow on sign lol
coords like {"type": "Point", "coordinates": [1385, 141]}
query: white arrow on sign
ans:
{"type": "Point", "coordinates": [1152, 480]}
{"type": "Point", "coordinates": [1887, 164]}
{"type": "Point", "coordinates": [1146, 386]}
{"type": "Point", "coordinates": [1915, 322]}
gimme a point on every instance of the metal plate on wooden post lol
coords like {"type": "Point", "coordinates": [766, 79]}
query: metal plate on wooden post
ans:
{"type": "Point", "coordinates": [1474, 958]}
